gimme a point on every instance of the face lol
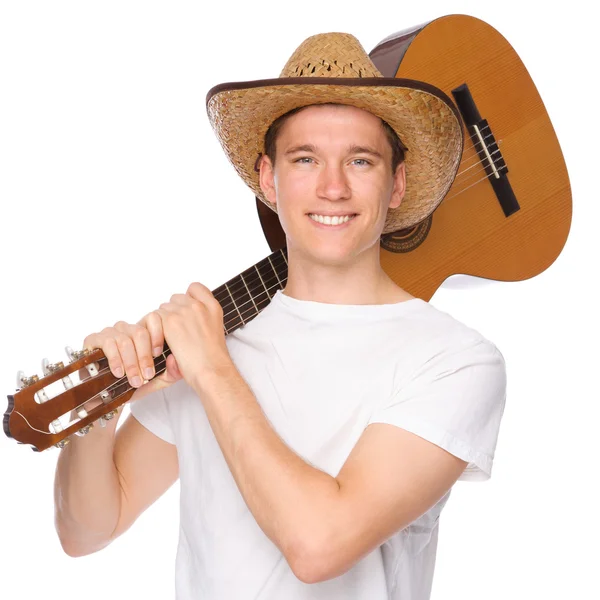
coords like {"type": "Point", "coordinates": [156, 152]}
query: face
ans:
{"type": "Point", "coordinates": [332, 160]}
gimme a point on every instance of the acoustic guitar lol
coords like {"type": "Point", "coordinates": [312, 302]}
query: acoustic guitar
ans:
{"type": "Point", "coordinates": [506, 217]}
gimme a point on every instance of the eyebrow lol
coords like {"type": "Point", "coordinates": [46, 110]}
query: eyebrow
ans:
{"type": "Point", "coordinates": [351, 150]}
{"type": "Point", "coordinates": [304, 148]}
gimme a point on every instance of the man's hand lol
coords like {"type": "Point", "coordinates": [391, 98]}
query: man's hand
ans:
{"type": "Point", "coordinates": [130, 350]}
{"type": "Point", "coordinates": [193, 327]}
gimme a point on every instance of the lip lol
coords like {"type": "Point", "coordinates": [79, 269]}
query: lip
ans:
{"type": "Point", "coordinates": [331, 227]}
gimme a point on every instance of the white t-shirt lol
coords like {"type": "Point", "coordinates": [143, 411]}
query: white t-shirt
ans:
{"type": "Point", "coordinates": [322, 373]}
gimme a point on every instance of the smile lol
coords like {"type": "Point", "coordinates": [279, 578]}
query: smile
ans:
{"type": "Point", "coordinates": [331, 221]}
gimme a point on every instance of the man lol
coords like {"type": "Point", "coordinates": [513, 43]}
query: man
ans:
{"type": "Point", "coordinates": [316, 445]}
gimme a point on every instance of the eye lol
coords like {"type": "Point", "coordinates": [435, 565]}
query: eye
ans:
{"type": "Point", "coordinates": [364, 161]}
{"type": "Point", "coordinates": [302, 159]}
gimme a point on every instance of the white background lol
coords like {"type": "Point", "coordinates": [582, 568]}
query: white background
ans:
{"type": "Point", "coordinates": [115, 194]}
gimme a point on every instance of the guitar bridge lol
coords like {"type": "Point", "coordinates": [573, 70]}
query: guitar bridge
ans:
{"type": "Point", "coordinates": [487, 149]}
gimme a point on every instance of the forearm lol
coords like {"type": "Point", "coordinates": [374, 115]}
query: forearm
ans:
{"type": "Point", "coordinates": [292, 501]}
{"type": "Point", "coordinates": [87, 493]}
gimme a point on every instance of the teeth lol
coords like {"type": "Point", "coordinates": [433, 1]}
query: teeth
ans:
{"type": "Point", "coordinates": [327, 220]}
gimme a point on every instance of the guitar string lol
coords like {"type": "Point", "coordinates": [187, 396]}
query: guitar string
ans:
{"type": "Point", "coordinates": [500, 169]}
{"type": "Point", "coordinates": [472, 153]}
{"type": "Point", "coordinates": [476, 164]}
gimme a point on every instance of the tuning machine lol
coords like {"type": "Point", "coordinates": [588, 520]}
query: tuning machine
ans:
{"type": "Point", "coordinates": [107, 417]}
{"type": "Point", "coordinates": [74, 355]}
{"type": "Point", "coordinates": [23, 381]}
{"type": "Point", "coordinates": [84, 430]}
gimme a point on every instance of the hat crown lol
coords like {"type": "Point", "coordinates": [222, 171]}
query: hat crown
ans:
{"type": "Point", "coordinates": [330, 55]}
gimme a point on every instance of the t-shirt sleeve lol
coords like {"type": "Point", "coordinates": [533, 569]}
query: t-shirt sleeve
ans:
{"type": "Point", "coordinates": [455, 400]}
{"type": "Point", "coordinates": [152, 411]}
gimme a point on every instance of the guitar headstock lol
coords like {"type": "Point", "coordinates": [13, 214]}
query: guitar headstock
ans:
{"type": "Point", "coordinates": [46, 412]}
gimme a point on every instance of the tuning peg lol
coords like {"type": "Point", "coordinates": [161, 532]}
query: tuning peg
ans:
{"type": "Point", "coordinates": [40, 395]}
{"type": "Point", "coordinates": [48, 368]}
{"type": "Point", "coordinates": [107, 417]}
{"type": "Point", "coordinates": [20, 377]}
{"type": "Point", "coordinates": [60, 445]}
{"type": "Point", "coordinates": [84, 430]}
{"type": "Point", "coordinates": [23, 381]}
{"type": "Point", "coordinates": [77, 354]}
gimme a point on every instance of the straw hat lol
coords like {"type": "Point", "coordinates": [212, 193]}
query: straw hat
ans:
{"type": "Point", "coordinates": [334, 67]}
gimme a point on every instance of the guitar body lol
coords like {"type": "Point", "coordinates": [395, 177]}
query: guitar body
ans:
{"type": "Point", "coordinates": [469, 233]}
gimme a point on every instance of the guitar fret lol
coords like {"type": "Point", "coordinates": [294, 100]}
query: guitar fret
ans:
{"type": "Point", "coordinates": [249, 294]}
{"type": "Point", "coordinates": [275, 271]}
{"type": "Point", "coordinates": [262, 281]}
{"type": "Point", "coordinates": [234, 304]}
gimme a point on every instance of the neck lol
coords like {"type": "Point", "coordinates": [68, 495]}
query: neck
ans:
{"type": "Point", "coordinates": [361, 280]}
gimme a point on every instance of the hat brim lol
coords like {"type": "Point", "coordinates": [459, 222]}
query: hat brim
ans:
{"type": "Point", "coordinates": [424, 118]}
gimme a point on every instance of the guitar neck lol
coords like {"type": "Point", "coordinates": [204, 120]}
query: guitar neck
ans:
{"type": "Point", "coordinates": [247, 294]}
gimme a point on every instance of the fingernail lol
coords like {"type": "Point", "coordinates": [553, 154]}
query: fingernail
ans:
{"type": "Point", "coordinates": [149, 373]}
{"type": "Point", "coordinates": [118, 372]}
{"type": "Point", "coordinates": [157, 351]}
{"type": "Point", "coordinates": [136, 381]}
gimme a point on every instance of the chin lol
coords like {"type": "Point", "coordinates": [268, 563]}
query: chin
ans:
{"type": "Point", "coordinates": [329, 255]}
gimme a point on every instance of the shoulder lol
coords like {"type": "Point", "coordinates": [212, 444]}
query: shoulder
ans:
{"type": "Point", "coordinates": [441, 342]}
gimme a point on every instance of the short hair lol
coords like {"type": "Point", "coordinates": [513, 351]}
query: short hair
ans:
{"type": "Point", "coordinates": [398, 148]}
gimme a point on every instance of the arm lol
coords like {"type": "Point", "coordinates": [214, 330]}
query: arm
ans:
{"type": "Point", "coordinates": [324, 525]}
{"type": "Point", "coordinates": [105, 481]}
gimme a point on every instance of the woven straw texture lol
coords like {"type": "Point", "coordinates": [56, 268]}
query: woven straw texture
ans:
{"type": "Point", "coordinates": [425, 123]}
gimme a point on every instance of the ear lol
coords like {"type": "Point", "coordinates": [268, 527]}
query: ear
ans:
{"type": "Point", "coordinates": [399, 188]}
{"type": "Point", "coordinates": [266, 179]}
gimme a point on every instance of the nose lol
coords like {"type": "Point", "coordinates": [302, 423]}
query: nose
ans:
{"type": "Point", "coordinates": [333, 183]}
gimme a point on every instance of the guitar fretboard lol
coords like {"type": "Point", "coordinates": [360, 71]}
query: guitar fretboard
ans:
{"type": "Point", "coordinates": [246, 294]}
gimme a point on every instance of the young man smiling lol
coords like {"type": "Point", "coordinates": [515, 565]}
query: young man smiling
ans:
{"type": "Point", "coordinates": [317, 445]}
{"type": "Point", "coordinates": [334, 160]}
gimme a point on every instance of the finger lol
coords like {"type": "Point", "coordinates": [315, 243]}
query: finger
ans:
{"type": "Point", "coordinates": [92, 341]}
{"type": "Point", "coordinates": [111, 351]}
{"type": "Point", "coordinates": [105, 341]}
{"type": "Point", "coordinates": [201, 293]}
{"type": "Point", "coordinates": [153, 324]}
{"type": "Point", "coordinates": [107, 344]}
{"type": "Point", "coordinates": [143, 348]}
{"type": "Point", "coordinates": [181, 299]}
{"type": "Point", "coordinates": [122, 326]}
{"type": "Point", "coordinates": [129, 358]}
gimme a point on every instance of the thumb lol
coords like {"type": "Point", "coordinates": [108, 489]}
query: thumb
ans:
{"type": "Point", "coordinates": [168, 377]}
{"type": "Point", "coordinates": [172, 372]}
